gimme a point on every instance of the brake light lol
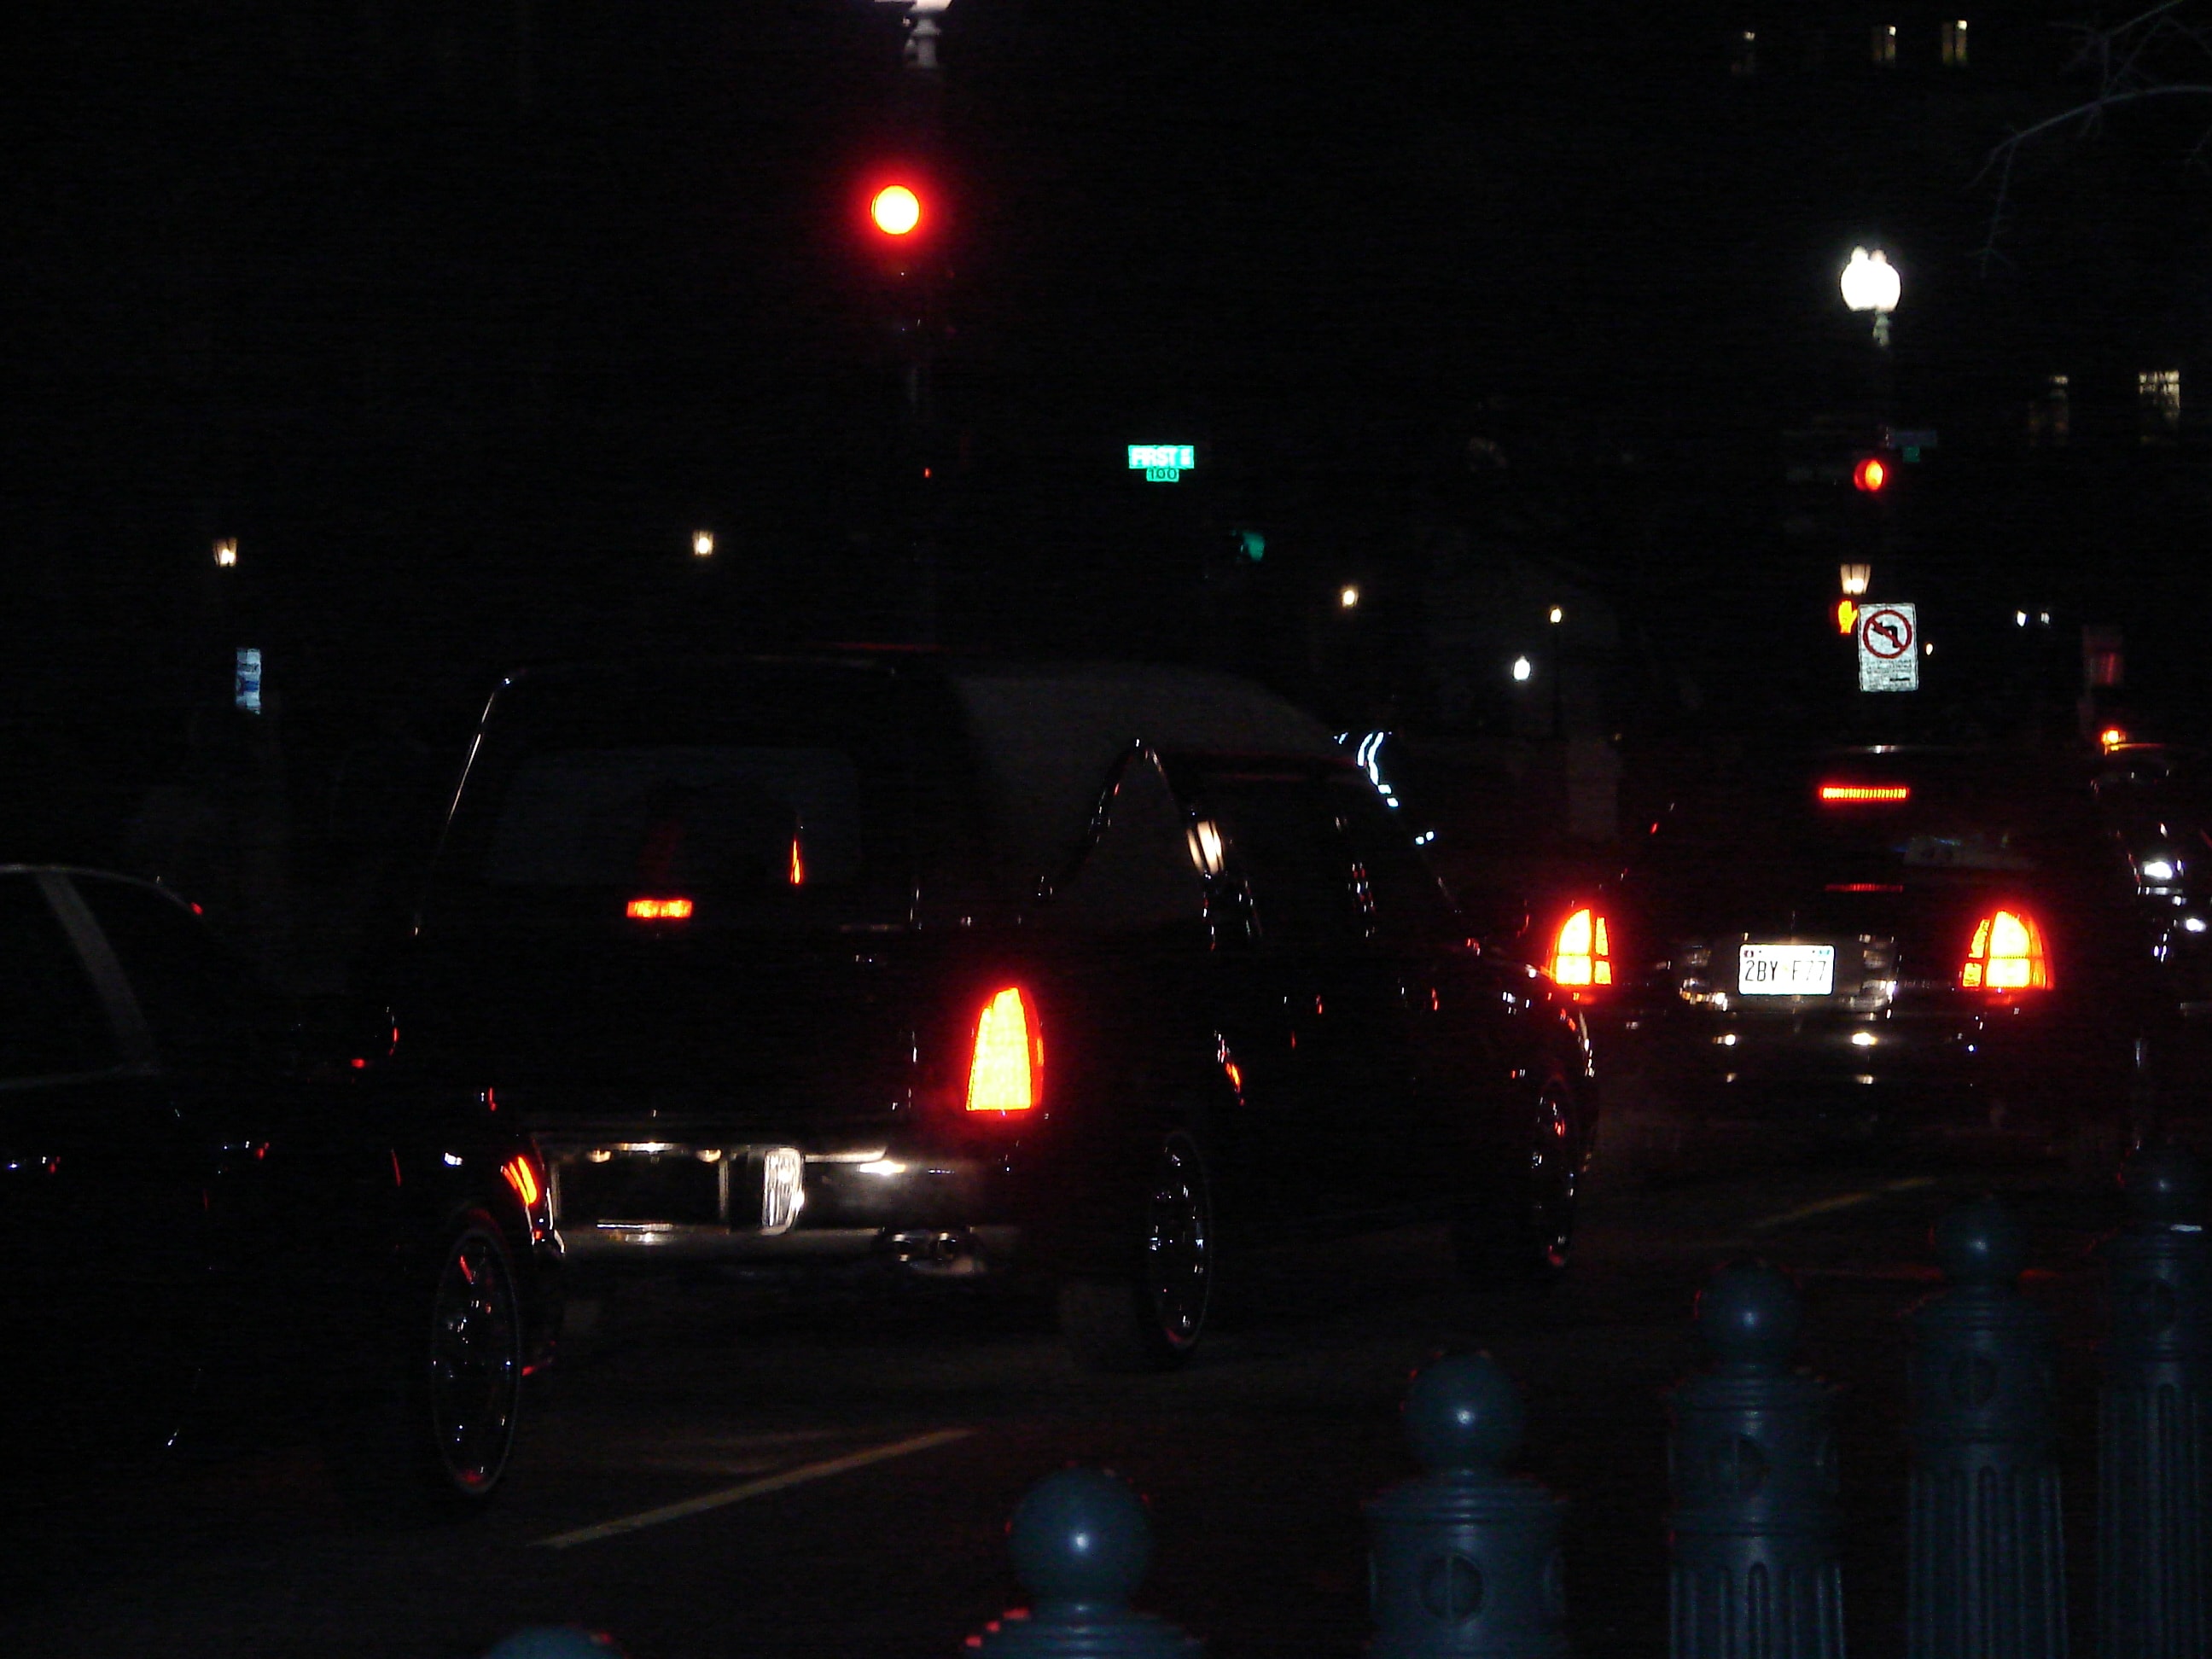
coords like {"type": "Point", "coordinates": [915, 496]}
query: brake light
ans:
{"type": "Point", "coordinates": [1833, 795]}
{"type": "Point", "coordinates": [1007, 1071]}
{"type": "Point", "coordinates": [2007, 955]}
{"type": "Point", "coordinates": [1582, 957]}
{"type": "Point", "coordinates": [659, 909]}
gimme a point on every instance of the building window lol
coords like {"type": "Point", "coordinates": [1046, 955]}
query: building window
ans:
{"type": "Point", "coordinates": [1744, 59]}
{"type": "Point", "coordinates": [1885, 46]}
{"type": "Point", "coordinates": [2051, 416]}
{"type": "Point", "coordinates": [2158, 402]}
{"type": "Point", "coordinates": [1954, 43]}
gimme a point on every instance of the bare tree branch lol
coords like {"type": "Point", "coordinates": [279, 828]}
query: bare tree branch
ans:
{"type": "Point", "coordinates": [2126, 61]}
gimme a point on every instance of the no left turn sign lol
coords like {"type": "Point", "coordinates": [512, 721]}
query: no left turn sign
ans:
{"type": "Point", "coordinates": [1889, 660]}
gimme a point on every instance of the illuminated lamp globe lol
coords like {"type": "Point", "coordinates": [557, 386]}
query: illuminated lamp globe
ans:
{"type": "Point", "coordinates": [896, 210]}
{"type": "Point", "coordinates": [1870, 282]}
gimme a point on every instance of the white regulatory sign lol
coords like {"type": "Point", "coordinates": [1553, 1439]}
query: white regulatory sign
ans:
{"type": "Point", "coordinates": [1889, 648]}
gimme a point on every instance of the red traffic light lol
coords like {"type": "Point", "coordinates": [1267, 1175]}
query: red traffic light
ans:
{"type": "Point", "coordinates": [895, 211]}
{"type": "Point", "coordinates": [1870, 475]}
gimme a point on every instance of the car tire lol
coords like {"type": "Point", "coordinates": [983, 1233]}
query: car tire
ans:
{"type": "Point", "coordinates": [1517, 1232]}
{"type": "Point", "coordinates": [431, 1438]}
{"type": "Point", "coordinates": [1153, 1316]}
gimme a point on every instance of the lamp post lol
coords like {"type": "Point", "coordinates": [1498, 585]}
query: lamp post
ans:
{"type": "Point", "coordinates": [1870, 283]}
{"type": "Point", "coordinates": [1558, 617]}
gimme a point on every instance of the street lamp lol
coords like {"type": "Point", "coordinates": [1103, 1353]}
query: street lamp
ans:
{"type": "Point", "coordinates": [1347, 598]}
{"type": "Point", "coordinates": [226, 552]}
{"type": "Point", "coordinates": [702, 544]}
{"type": "Point", "coordinates": [1558, 615]}
{"type": "Point", "coordinates": [1870, 283]}
{"type": "Point", "coordinates": [1522, 670]}
{"type": "Point", "coordinates": [1855, 578]}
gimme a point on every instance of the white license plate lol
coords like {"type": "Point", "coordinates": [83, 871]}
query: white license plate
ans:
{"type": "Point", "coordinates": [1786, 970]}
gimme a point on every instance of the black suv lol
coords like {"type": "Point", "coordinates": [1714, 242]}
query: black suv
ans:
{"type": "Point", "coordinates": [870, 954]}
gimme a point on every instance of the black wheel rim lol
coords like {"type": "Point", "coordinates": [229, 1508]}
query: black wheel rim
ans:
{"type": "Point", "coordinates": [1179, 1244]}
{"type": "Point", "coordinates": [1552, 1183]}
{"type": "Point", "coordinates": [475, 1362]}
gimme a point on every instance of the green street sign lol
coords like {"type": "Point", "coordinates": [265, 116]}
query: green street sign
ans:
{"type": "Point", "coordinates": [1163, 463]}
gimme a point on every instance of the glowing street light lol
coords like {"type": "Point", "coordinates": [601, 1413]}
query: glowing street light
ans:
{"type": "Point", "coordinates": [1870, 283]}
{"type": "Point", "coordinates": [702, 544]}
{"type": "Point", "coordinates": [1855, 578]}
{"type": "Point", "coordinates": [1523, 668]}
{"type": "Point", "coordinates": [226, 552]}
{"type": "Point", "coordinates": [1347, 598]}
{"type": "Point", "coordinates": [1557, 616]}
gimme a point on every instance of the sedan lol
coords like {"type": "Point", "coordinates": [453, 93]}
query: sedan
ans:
{"type": "Point", "coordinates": [212, 1237]}
{"type": "Point", "coordinates": [1937, 939]}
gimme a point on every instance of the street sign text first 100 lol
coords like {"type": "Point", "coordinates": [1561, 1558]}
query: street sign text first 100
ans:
{"type": "Point", "coordinates": [1181, 457]}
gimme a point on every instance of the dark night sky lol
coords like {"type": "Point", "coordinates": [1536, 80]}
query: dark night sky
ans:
{"type": "Point", "coordinates": [460, 319]}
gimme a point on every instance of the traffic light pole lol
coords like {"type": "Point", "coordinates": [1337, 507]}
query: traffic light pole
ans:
{"type": "Point", "coordinates": [922, 111]}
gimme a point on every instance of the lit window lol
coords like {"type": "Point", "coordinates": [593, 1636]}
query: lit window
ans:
{"type": "Point", "coordinates": [1954, 43]}
{"type": "Point", "coordinates": [2158, 397]}
{"type": "Point", "coordinates": [1885, 45]}
{"type": "Point", "coordinates": [1744, 61]}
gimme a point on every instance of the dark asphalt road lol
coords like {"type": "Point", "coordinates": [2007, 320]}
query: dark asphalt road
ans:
{"type": "Point", "coordinates": [1256, 1460]}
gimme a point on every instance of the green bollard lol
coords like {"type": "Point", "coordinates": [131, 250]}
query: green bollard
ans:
{"type": "Point", "coordinates": [1080, 1544]}
{"type": "Point", "coordinates": [1986, 1577]}
{"type": "Point", "coordinates": [1752, 1464]}
{"type": "Point", "coordinates": [2153, 1413]}
{"type": "Point", "coordinates": [1465, 1561]}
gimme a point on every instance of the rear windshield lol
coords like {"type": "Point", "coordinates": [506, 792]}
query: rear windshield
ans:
{"type": "Point", "coordinates": [720, 819]}
{"type": "Point", "coordinates": [1885, 814]}
{"type": "Point", "coordinates": [772, 796]}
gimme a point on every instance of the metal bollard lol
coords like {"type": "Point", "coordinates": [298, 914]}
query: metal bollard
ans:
{"type": "Point", "coordinates": [556, 1642]}
{"type": "Point", "coordinates": [1465, 1561]}
{"type": "Point", "coordinates": [1986, 1577]}
{"type": "Point", "coordinates": [1080, 1544]}
{"type": "Point", "coordinates": [2153, 1411]}
{"type": "Point", "coordinates": [1752, 1465]}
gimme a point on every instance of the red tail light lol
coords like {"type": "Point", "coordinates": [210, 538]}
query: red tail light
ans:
{"type": "Point", "coordinates": [1842, 794]}
{"type": "Point", "coordinates": [523, 1178]}
{"type": "Point", "coordinates": [1582, 955]}
{"type": "Point", "coordinates": [2007, 954]}
{"type": "Point", "coordinates": [659, 909]}
{"type": "Point", "coordinates": [1005, 1071]}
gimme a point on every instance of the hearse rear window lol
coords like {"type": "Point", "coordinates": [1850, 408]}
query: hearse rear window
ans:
{"type": "Point", "coordinates": [773, 795]}
{"type": "Point", "coordinates": [680, 819]}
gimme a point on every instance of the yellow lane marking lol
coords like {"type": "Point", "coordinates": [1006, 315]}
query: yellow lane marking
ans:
{"type": "Point", "coordinates": [1848, 1201]}
{"type": "Point", "coordinates": [728, 1495]}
